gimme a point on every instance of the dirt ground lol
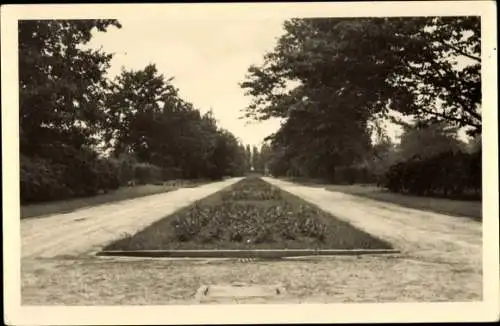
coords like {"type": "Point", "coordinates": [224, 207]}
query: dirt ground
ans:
{"type": "Point", "coordinates": [440, 258]}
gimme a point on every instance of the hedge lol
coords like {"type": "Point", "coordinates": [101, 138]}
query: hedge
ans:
{"type": "Point", "coordinates": [147, 173]}
{"type": "Point", "coordinates": [449, 174]}
{"type": "Point", "coordinates": [61, 172]}
{"type": "Point", "coordinates": [43, 179]}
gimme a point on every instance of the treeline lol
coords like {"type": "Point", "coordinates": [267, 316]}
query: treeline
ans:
{"type": "Point", "coordinates": [333, 82]}
{"type": "Point", "coordinates": [82, 133]}
{"type": "Point", "coordinates": [257, 158]}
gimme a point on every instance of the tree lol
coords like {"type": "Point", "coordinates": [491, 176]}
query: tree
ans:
{"type": "Point", "coordinates": [61, 97]}
{"type": "Point", "coordinates": [257, 162]}
{"type": "Point", "coordinates": [266, 154]}
{"type": "Point", "coordinates": [61, 85]}
{"type": "Point", "coordinates": [444, 75]}
{"type": "Point", "coordinates": [248, 155]}
{"type": "Point", "coordinates": [347, 71]}
{"type": "Point", "coordinates": [384, 156]}
{"type": "Point", "coordinates": [428, 141]}
{"type": "Point", "coordinates": [227, 157]}
{"type": "Point", "coordinates": [242, 161]}
{"type": "Point", "coordinates": [425, 66]}
{"type": "Point", "coordinates": [149, 120]}
{"type": "Point", "coordinates": [136, 103]}
{"type": "Point", "coordinates": [278, 163]}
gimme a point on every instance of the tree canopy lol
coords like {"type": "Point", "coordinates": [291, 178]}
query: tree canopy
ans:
{"type": "Point", "coordinates": [148, 119]}
{"type": "Point", "coordinates": [61, 85]}
{"type": "Point", "coordinates": [328, 78]}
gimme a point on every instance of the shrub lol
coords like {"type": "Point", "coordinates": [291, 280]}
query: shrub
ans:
{"type": "Point", "coordinates": [448, 174]}
{"type": "Point", "coordinates": [108, 173]}
{"type": "Point", "coordinates": [125, 165]}
{"type": "Point", "coordinates": [171, 173]}
{"type": "Point", "coordinates": [69, 172]}
{"type": "Point", "coordinates": [39, 181]}
{"type": "Point", "coordinates": [147, 173]}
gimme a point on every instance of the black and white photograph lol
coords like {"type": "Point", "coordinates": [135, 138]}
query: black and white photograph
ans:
{"type": "Point", "coordinates": [250, 163]}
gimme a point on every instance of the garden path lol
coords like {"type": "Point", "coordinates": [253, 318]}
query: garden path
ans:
{"type": "Point", "coordinates": [88, 229]}
{"type": "Point", "coordinates": [418, 234]}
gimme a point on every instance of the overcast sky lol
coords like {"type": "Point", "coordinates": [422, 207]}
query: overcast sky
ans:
{"type": "Point", "coordinates": [207, 58]}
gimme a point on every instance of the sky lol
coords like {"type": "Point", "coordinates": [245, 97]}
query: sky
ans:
{"type": "Point", "coordinates": [208, 60]}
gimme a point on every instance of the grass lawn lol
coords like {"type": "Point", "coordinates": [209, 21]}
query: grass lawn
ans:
{"type": "Point", "coordinates": [66, 206]}
{"type": "Point", "coordinates": [453, 207]}
{"type": "Point", "coordinates": [466, 208]}
{"type": "Point", "coordinates": [251, 214]}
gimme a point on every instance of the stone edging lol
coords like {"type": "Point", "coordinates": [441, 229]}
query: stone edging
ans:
{"type": "Point", "coordinates": [248, 253]}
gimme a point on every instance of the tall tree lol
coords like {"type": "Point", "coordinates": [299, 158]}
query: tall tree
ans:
{"type": "Point", "coordinates": [346, 71]}
{"type": "Point", "coordinates": [265, 153]}
{"type": "Point", "coordinates": [426, 66]}
{"type": "Point", "coordinates": [61, 85]}
{"type": "Point", "coordinates": [248, 154]}
{"type": "Point", "coordinates": [61, 113]}
{"type": "Point", "coordinates": [134, 108]}
{"type": "Point", "coordinates": [257, 159]}
{"type": "Point", "coordinates": [227, 157]}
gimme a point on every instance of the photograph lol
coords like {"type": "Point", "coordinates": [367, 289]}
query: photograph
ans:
{"type": "Point", "coordinates": [250, 163]}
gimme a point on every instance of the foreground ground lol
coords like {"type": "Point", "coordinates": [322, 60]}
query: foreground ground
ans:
{"type": "Point", "coordinates": [440, 259]}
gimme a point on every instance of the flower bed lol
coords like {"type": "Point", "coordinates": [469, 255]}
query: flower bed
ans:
{"type": "Point", "coordinates": [250, 215]}
{"type": "Point", "coordinates": [252, 189]}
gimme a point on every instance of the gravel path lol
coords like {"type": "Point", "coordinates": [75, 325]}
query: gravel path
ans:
{"type": "Point", "coordinates": [86, 230]}
{"type": "Point", "coordinates": [423, 235]}
{"type": "Point", "coordinates": [440, 261]}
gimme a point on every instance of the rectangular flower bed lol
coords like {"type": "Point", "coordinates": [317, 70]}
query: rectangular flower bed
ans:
{"type": "Point", "coordinates": [237, 218]}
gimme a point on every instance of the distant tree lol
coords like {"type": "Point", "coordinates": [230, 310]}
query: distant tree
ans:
{"type": "Point", "coordinates": [227, 157]}
{"type": "Point", "coordinates": [266, 153]}
{"type": "Point", "coordinates": [248, 155]}
{"type": "Point", "coordinates": [257, 162]}
{"type": "Point", "coordinates": [278, 162]}
{"type": "Point", "coordinates": [384, 156]}
{"type": "Point", "coordinates": [428, 141]}
{"type": "Point", "coordinates": [149, 120]}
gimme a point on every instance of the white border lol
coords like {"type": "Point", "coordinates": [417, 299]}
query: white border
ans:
{"type": "Point", "coordinates": [487, 310]}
